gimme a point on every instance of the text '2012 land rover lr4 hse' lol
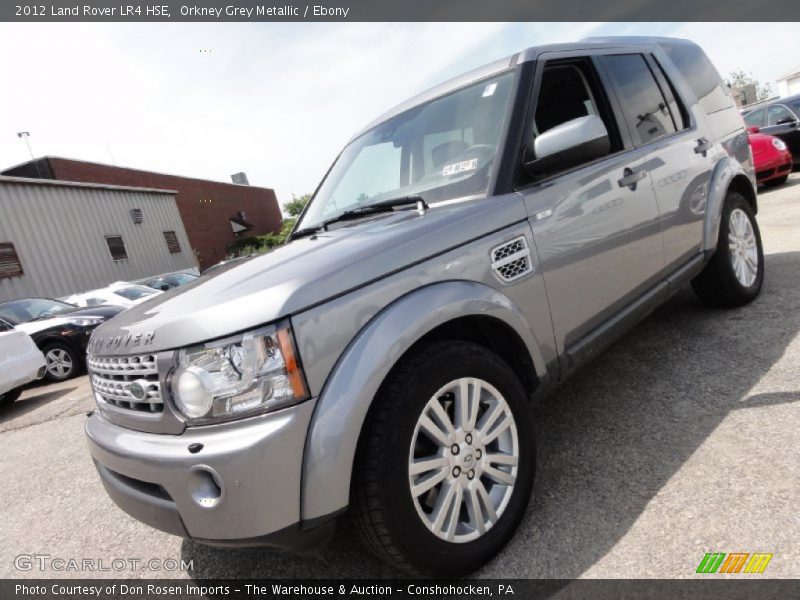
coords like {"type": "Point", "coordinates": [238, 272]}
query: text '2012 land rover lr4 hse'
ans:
{"type": "Point", "coordinates": [465, 252]}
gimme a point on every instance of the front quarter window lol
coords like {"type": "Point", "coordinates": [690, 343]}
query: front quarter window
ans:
{"type": "Point", "coordinates": [442, 149]}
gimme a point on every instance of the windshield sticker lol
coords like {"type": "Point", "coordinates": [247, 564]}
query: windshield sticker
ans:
{"type": "Point", "coordinates": [460, 167]}
{"type": "Point", "coordinates": [489, 90]}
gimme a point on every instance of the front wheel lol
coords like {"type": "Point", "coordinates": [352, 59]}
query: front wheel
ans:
{"type": "Point", "coordinates": [446, 461]}
{"type": "Point", "coordinates": [735, 273]}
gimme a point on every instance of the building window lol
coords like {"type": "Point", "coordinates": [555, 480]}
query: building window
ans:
{"type": "Point", "coordinates": [172, 242]}
{"type": "Point", "coordinates": [9, 261]}
{"type": "Point", "coordinates": [117, 247]}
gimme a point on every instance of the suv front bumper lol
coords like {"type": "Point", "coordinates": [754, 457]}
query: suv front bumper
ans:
{"type": "Point", "coordinates": [241, 488]}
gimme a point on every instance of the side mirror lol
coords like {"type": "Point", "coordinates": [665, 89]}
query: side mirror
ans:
{"type": "Point", "coordinates": [569, 144]}
{"type": "Point", "coordinates": [785, 120]}
{"type": "Point", "coordinates": [753, 129]}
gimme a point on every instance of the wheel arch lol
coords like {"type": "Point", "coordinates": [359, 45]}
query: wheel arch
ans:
{"type": "Point", "coordinates": [467, 310]}
{"type": "Point", "coordinates": [728, 175]}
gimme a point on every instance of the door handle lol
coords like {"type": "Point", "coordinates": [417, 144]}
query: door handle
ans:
{"type": "Point", "coordinates": [631, 177]}
{"type": "Point", "coordinates": [702, 147]}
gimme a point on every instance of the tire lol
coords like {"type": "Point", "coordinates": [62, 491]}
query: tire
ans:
{"type": "Point", "coordinates": [718, 284]}
{"type": "Point", "coordinates": [777, 182]}
{"type": "Point", "coordinates": [10, 396]}
{"type": "Point", "coordinates": [390, 521]}
{"type": "Point", "coordinates": [62, 362]}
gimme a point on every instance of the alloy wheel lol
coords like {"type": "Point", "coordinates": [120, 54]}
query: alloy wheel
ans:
{"type": "Point", "coordinates": [59, 363]}
{"type": "Point", "coordinates": [463, 460]}
{"type": "Point", "coordinates": [742, 247]}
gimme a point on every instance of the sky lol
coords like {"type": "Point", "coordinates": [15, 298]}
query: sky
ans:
{"type": "Point", "coordinates": [277, 101]}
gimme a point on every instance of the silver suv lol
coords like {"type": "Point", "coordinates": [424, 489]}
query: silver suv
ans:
{"type": "Point", "coordinates": [465, 253]}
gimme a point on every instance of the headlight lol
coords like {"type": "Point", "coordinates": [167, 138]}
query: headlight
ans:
{"type": "Point", "coordinates": [86, 321]}
{"type": "Point", "coordinates": [779, 144]}
{"type": "Point", "coordinates": [236, 377]}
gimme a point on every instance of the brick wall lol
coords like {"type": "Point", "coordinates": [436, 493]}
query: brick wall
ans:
{"type": "Point", "coordinates": [205, 206]}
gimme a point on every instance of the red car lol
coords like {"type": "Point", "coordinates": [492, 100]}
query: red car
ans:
{"type": "Point", "coordinates": [772, 159]}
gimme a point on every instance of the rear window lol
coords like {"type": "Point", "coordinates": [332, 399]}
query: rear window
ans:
{"type": "Point", "coordinates": [134, 292]}
{"type": "Point", "coordinates": [700, 74]}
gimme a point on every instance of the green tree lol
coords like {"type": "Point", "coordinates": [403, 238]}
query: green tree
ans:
{"type": "Point", "coordinates": [296, 205]}
{"type": "Point", "coordinates": [740, 79]}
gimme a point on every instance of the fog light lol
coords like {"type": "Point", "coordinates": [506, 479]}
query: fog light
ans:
{"type": "Point", "coordinates": [191, 393]}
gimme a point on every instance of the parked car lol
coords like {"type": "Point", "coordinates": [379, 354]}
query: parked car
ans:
{"type": "Point", "coordinates": [779, 118]}
{"type": "Point", "coordinates": [60, 330]}
{"type": "Point", "coordinates": [20, 362]}
{"type": "Point", "coordinates": [117, 294]}
{"type": "Point", "coordinates": [771, 157]}
{"type": "Point", "coordinates": [465, 253]}
{"type": "Point", "coordinates": [168, 281]}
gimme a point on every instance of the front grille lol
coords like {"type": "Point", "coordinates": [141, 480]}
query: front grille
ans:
{"type": "Point", "coordinates": [128, 382]}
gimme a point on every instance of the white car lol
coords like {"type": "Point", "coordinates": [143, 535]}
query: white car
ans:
{"type": "Point", "coordinates": [20, 362]}
{"type": "Point", "coordinates": [117, 294]}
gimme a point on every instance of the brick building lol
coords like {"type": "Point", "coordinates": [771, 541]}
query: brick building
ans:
{"type": "Point", "coordinates": [213, 213]}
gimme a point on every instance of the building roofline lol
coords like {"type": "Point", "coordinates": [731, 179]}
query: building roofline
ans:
{"type": "Point", "coordinates": [49, 157]}
{"type": "Point", "coordinates": [80, 184]}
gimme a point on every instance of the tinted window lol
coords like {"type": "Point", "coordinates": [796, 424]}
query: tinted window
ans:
{"type": "Point", "coordinates": [778, 113]}
{"type": "Point", "coordinates": [700, 74]}
{"type": "Point", "coordinates": [643, 104]}
{"type": "Point", "coordinates": [117, 247]}
{"type": "Point", "coordinates": [755, 118]}
{"type": "Point", "coordinates": [20, 311]}
{"type": "Point", "coordinates": [133, 292]}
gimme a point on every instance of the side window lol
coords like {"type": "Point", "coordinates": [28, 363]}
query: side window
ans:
{"type": "Point", "coordinates": [680, 115]}
{"type": "Point", "coordinates": [569, 89]}
{"type": "Point", "coordinates": [778, 115]}
{"type": "Point", "coordinates": [643, 104]}
{"type": "Point", "coordinates": [755, 118]}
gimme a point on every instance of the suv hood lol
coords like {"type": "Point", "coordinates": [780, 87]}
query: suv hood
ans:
{"type": "Point", "coordinates": [301, 274]}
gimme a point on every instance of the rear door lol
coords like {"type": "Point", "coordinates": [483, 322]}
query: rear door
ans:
{"type": "Point", "coordinates": [595, 225]}
{"type": "Point", "coordinates": [678, 152]}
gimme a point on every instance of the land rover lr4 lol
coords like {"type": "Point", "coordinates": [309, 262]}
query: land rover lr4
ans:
{"type": "Point", "coordinates": [466, 252]}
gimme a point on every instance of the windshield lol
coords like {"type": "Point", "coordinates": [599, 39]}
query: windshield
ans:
{"type": "Point", "coordinates": [439, 150]}
{"type": "Point", "coordinates": [20, 311]}
{"type": "Point", "coordinates": [134, 292]}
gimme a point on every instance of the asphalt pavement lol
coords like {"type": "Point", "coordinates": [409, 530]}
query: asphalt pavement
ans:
{"type": "Point", "coordinates": [682, 438]}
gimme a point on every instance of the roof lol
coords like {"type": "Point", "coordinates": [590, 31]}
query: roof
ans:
{"type": "Point", "coordinates": [509, 62]}
{"type": "Point", "coordinates": [789, 74]}
{"type": "Point", "coordinates": [78, 184]}
{"type": "Point", "coordinates": [49, 157]}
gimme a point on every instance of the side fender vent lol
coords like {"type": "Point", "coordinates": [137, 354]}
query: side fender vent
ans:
{"type": "Point", "coordinates": [512, 260]}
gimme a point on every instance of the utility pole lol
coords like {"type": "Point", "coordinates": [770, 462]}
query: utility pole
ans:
{"type": "Point", "coordinates": [25, 135]}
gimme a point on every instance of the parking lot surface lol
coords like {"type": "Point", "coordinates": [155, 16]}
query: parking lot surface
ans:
{"type": "Point", "coordinates": [682, 438]}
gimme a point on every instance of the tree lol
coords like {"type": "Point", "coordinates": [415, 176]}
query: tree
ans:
{"type": "Point", "coordinates": [296, 205]}
{"type": "Point", "coordinates": [740, 79]}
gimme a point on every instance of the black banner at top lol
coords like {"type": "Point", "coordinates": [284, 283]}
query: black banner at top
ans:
{"type": "Point", "coordinates": [399, 10]}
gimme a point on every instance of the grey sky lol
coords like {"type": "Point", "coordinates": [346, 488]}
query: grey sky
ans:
{"type": "Point", "coordinates": [275, 100]}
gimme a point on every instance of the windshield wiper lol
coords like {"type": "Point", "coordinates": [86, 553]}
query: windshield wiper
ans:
{"type": "Point", "coordinates": [382, 206]}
